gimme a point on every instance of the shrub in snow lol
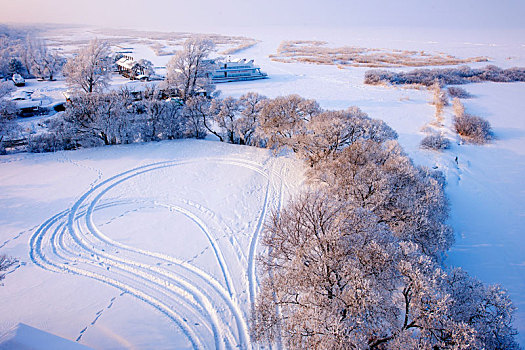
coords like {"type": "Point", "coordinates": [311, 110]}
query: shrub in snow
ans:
{"type": "Point", "coordinates": [473, 128]}
{"type": "Point", "coordinates": [470, 127]}
{"type": "Point", "coordinates": [59, 137]}
{"type": "Point", "coordinates": [5, 263]}
{"type": "Point", "coordinates": [435, 142]}
{"type": "Point", "coordinates": [49, 142]}
{"type": "Point", "coordinates": [457, 92]}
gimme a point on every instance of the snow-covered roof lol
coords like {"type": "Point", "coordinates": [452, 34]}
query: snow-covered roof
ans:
{"type": "Point", "coordinates": [26, 337]}
{"type": "Point", "coordinates": [21, 95]}
{"type": "Point", "coordinates": [238, 60]}
{"type": "Point", "coordinates": [126, 63]}
{"type": "Point", "coordinates": [28, 103]}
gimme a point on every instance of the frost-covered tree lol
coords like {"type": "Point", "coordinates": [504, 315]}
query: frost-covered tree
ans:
{"type": "Point", "coordinates": [226, 113]}
{"type": "Point", "coordinates": [251, 105]}
{"type": "Point", "coordinates": [90, 69]}
{"type": "Point", "coordinates": [187, 71]}
{"type": "Point", "coordinates": [15, 66]}
{"type": "Point", "coordinates": [158, 119]}
{"type": "Point", "coordinates": [152, 110]}
{"type": "Point", "coordinates": [8, 110]}
{"type": "Point", "coordinates": [488, 309]}
{"type": "Point", "coordinates": [44, 63]}
{"type": "Point", "coordinates": [283, 118]}
{"type": "Point", "coordinates": [97, 118]}
{"type": "Point", "coordinates": [147, 66]}
{"type": "Point", "coordinates": [329, 132]}
{"type": "Point", "coordinates": [336, 277]}
{"type": "Point", "coordinates": [197, 116]}
{"type": "Point", "coordinates": [173, 123]}
{"type": "Point", "coordinates": [381, 178]}
{"type": "Point", "coordinates": [237, 120]}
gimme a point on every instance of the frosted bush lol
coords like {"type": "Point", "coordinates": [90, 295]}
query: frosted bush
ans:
{"type": "Point", "coordinates": [457, 92]}
{"type": "Point", "coordinates": [49, 142]}
{"type": "Point", "coordinates": [435, 142]}
{"type": "Point", "coordinates": [473, 128]}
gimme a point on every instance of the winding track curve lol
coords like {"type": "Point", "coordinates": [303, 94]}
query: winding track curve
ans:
{"type": "Point", "coordinates": [71, 242]}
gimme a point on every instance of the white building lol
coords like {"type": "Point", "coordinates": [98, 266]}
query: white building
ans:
{"type": "Point", "coordinates": [236, 70]}
{"type": "Point", "coordinates": [130, 68]}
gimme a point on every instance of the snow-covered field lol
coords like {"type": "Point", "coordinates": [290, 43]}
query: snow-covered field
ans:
{"type": "Point", "coordinates": [147, 246]}
{"type": "Point", "coordinates": [153, 245]}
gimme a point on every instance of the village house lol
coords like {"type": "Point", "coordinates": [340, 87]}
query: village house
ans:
{"type": "Point", "coordinates": [130, 68]}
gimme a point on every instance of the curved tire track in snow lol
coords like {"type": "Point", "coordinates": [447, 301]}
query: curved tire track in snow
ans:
{"type": "Point", "coordinates": [39, 258]}
{"type": "Point", "coordinates": [78, 246]}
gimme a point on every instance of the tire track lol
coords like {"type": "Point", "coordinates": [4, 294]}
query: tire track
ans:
{"type": "Point", "coordinates": [78, 246]}
{"type": "Point", "coordinates": [39, 258]}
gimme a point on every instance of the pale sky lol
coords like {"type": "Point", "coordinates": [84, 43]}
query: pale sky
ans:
{"type": "Point", "coordinates": [194, 14]}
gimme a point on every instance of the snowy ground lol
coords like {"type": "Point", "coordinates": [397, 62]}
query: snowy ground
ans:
{"type": "Point", "coordinates": [152, 245]}
{"type": "Point", "coordinates": [145, 246]}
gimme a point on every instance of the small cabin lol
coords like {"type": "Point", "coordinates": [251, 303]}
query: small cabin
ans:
{"type": "Point", "coordinates": [129, 68]}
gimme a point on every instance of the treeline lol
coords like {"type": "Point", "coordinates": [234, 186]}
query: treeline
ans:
{"type": "Point", "coordinates": [96, 119]}
{"type": "Point", "coordinates": [355, 262]}
{"type": "Point", "coordinates": [446, 76]}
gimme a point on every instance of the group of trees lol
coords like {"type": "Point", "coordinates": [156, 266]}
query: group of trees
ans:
{"type": "Point", "coordinates": [96, 116]}
{"type": "Point", "coordinates": [21, 52]}
{"type": "Point", "coordinates": [287, 121]}
{"type": "Point", "coordinates": [95, 119]}
{"type": "Point", "coordinates": [446, 76]}
{"type": "Point", "coordinates": [355, 262]}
